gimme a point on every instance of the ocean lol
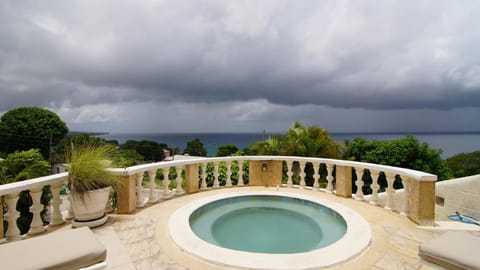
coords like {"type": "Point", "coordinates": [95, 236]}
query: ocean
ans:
{"type": "Point", "coordinates": [450, 143]}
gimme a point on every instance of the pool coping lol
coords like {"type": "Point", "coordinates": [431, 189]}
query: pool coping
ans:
{"type": "Point", "coordinates": [357, 238]}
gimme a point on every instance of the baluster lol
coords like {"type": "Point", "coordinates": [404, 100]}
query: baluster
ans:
{"type": "Point", "coordinates": [70, 210]}
{"type": "Point", "coordinates": [406, 195]}
{"type": "Point", "coordinates": [108, 204]}
{"type": "Point", "coordinates": [359, 184]}
{"type": "Point", "coordinates": [216, 183]}
{"type": "Point", "coordinates": [240, 182]}
{"type": "Point", "coordinates": [36, 226]}
{"type": "Point", "coordinates": [166, 182]}
{"type": "Point", "coordinates": [374, 186]}
{"type": "Point", "coordinates": [153, 186]}
{"type": "Point", "coordinates": [289, 173]}
{"type": "Point", "coordinates": [390, 191]}
{"type": "Point", "coordinates": [204, 176]}
{"type": "Point", "coordinates": [302, 173]}
{"type": "Point", "coordinates": [13, 233]}
{"type": "Point", "coordinates": [316, 175]}
{"type": "Point", "coordinates": [229, 174]}
{"type": "Point", "coordinates": [140, 199]}
{"type": "Point", "coordinates": [329, 178]}
{"type": "Point", "coordinates": [57, 217]}
{"type": "Point", "coordinates": [179, 190]}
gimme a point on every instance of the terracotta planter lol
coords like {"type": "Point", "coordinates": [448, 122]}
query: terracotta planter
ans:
{"type": "Point", "coordinates": [89, 209]}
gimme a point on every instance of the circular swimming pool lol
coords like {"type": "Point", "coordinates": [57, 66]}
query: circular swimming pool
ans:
{"type": "Point", "coordinates": [263, 224]}
{"type": "Point", "coordinates": [269, 230]}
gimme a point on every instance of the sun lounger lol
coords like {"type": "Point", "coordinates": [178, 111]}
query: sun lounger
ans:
{"type": "Point", "coordinates": [68, 249]}
{"type": "Point", "coordinates": [453, 250]}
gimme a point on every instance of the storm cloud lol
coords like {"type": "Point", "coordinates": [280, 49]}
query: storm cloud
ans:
{"type": "Point", "coordinates": [243, 64]}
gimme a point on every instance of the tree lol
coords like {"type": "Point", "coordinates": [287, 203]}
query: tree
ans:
{"type": "Point", "coordinates": [150, 150]}
{"type": "Point", "coordinates": [195, 148]}
{"type": "Point", "coordinates": [30, 127]}
{"type": "Point", "coordinates": [464, 164]}
{"type": "Point", "coordinates": [226, 150]}
{"type": "Point", "coordinates": [299, 140]}
{"type": "Point", "coordinates": [407, 152]}
{"type": "Point", "coordinates": [312, 141]}
{"type": "Point", "coordinates": [23, 165]}
{"type": "Point", "coordinates": [65, 144]}
{"type": "Point", "coordinates": [126, 158]}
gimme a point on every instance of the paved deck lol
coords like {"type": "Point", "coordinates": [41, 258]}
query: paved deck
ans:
{"type": "Point", "coordinates": [141, 240]}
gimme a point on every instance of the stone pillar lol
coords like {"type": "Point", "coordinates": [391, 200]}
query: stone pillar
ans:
{"type": "Point", "coordinates": [126, 195]}
{"type": "Point", "coordinates": [191, 178]}
{"type": "Point", "coordinates": [343, 181]}
{"type": "Point", "coordinates": [269, 176]}
{"type": "Point", "coordinates": [422, 202]}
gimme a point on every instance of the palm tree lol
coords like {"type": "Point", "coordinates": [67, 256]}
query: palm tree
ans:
{"type": "Point", "coordinates": [312, 141]}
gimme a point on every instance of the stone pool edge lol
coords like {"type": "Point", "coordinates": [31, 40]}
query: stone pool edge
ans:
{"type": "Point", "coordinates": [357, 238]}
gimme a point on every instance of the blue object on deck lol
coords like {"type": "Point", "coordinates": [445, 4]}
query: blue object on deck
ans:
{"type": "Point", "coordinates": [464, 219]}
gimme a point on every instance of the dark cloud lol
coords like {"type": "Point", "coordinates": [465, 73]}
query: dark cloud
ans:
{"type": "Point", "coordinates": [340, 54]}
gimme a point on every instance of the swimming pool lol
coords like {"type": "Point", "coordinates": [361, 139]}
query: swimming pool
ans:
{"type": "Point", "coordinates": [223, 210]}
{"type": "Point", "coordinates": [267, 224]}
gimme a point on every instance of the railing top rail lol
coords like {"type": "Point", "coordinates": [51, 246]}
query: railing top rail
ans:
{"type": "Point", "coordinates": [32, 183]}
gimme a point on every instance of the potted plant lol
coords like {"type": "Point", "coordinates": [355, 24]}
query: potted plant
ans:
{"type": "Point", "coordinates": [90, 183]}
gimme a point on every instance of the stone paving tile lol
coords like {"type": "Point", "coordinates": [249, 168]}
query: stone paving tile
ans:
{"type": "Point", "coordinates": [157, 262]}
{"type": "Point", "coordinates": [405, 246]}
{"type": "Point", "coordinates": [127, 266]}
{"type": "Point", "coordinates": [416, 235]}
{"type": "Point", "coordinates": [396, 261]}
{"type": "Point", "coordinates": [130, 231]}
{"type": "Point", "coordinates": [143, 249]}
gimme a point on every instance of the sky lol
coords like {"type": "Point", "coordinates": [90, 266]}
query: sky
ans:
{"type": "Point", "coordinates": [244, 66]}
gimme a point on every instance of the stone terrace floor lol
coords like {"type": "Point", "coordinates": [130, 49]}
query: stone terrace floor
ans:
{"type": "Point", "coordinates": [141, 240]}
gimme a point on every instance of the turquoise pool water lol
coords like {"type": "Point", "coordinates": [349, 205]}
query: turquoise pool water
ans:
{"type": "Point", "coordinates": [267, 224]}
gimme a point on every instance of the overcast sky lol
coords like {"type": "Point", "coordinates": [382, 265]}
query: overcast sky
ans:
{"type": "Point", "coordinates": [244, 66]}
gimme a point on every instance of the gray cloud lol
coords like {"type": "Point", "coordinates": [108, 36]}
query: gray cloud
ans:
{"type": "Point", "coordinates": [296, 55]}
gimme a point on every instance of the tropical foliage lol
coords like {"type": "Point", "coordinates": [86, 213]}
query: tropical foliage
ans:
{"type": "Point", "coordinates": [63, 147]}
{"type": "Point", "coordinates": [407, 152]}
{"type": "Point", "coordinates": [195, 148]}
{"type": "Point", "coordinates": [227, 150]}
{"type": "Point", "coordinates": [464, 164]}
{"type": "Point", "coordinates": [299, 140]}
{"type": "Point", "coordinates": [150, 150]}
{"type": "Point", "coordinates": [30, 127]}
{"type": "Point", "coordinates": [23, 165]}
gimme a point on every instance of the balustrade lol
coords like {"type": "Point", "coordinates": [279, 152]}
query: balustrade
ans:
{"type": "Point", "coordinates": [336, 177]}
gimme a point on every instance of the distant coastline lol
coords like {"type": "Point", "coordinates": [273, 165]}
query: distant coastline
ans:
{"type": "Point", "coordinates": [74, 133]}
{"type": "Point", "coordinates": [451, 143]}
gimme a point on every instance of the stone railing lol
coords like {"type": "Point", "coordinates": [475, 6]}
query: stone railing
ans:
{"type": "Point", "coordinates": [9, 193]}
{"type": "Point", "coordinates": [192, 175]}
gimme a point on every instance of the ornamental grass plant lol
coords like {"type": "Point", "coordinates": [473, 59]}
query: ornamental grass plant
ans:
{"type": "Point", "coordinates": [87, 168]}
